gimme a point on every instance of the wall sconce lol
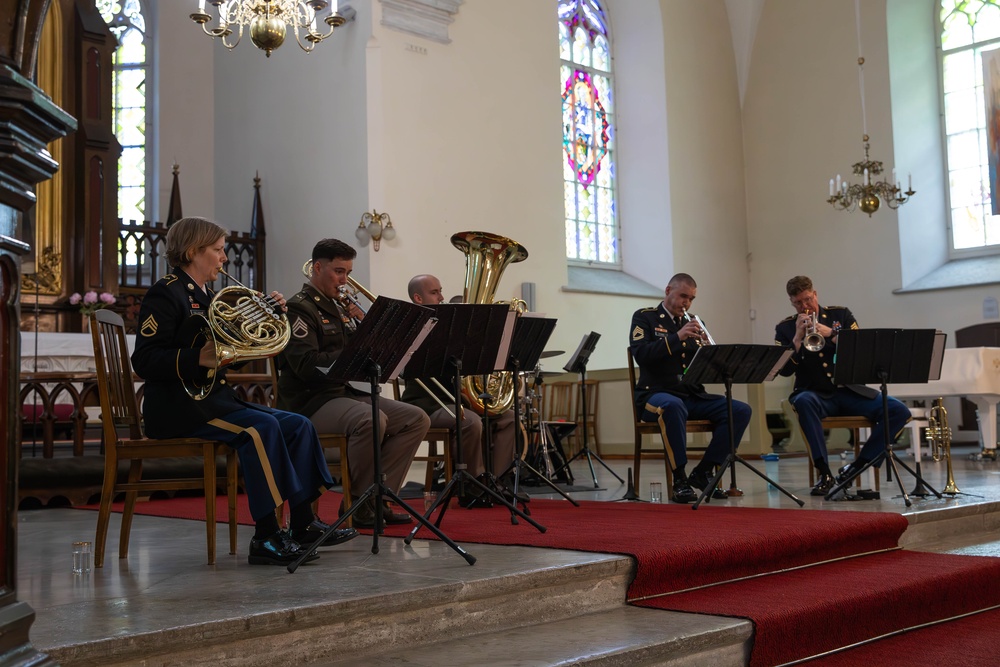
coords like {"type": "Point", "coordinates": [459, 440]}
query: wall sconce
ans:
{"type": "Point", "coordinates": [376, 226]}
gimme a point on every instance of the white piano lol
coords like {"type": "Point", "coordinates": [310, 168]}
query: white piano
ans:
{"type": "Point", "coordinates": [972, 372]}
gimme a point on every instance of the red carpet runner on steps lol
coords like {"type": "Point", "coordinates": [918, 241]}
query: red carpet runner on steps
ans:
{"type": "Point", "coordinates": [796, 613]}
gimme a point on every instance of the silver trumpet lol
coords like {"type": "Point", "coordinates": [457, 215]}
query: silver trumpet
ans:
{"type": "Point", "coordinates": [704, 338]}
{"type": "Point", "coordinates": [813, 341]}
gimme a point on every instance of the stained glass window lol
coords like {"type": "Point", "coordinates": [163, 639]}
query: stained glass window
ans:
{"type": "Point", "coordinates": [126, 19]}
{"type": "Point", "coordinates": [588, 114]}
{"type": "Point", "coordinates": [970, 29]}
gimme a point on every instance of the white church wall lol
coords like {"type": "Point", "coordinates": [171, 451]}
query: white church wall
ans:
{"type": "Point", "coordinates": [802, 122]}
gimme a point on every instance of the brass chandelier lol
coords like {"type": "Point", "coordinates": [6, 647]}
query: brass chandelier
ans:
{"type": "Point", "coordinates": [869, 194]}
{"type": "Point", "coordinates": [268, 21]}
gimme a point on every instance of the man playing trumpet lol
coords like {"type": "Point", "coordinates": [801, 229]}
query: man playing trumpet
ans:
{"type": "Point", "coordinates": [663, 341]}
{"type": "Point", "coordinates": [815, 397]}
{"type": "Point", "coordinates": [320, 328]}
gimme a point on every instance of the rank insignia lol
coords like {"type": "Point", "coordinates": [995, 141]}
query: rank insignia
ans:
{"type": "Point", "coordinates": [149, 327]}
{"type": "Point", "coordinates": [638, 333]}
{"type": "Point", "coordinates": [299, 328]}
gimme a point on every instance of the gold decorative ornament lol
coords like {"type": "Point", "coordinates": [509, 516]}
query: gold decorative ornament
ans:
{"type": "Point", "coordinates": [269, 21]}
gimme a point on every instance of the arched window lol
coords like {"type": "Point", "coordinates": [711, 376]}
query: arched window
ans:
{"type": "Point", "coordinates": [126, 19]}
{"type": "Point", "coordinates": [970, 31]}
{"type": "Point", "coordinates": [588, 134]}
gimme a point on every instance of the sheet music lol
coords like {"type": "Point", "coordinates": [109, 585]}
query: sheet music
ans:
{"type": "Point", "coordinates": [417, 342]}
{"type": "Point", "coordinates": [508, 334]}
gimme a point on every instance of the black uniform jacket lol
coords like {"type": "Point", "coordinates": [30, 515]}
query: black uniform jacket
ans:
{"type": "Point", "coordinates": [320, 330]}
{"type": "Point", "coordinates": [814, 370]}
{"type": "Point", "coordinates": [162, 358]}
{"type": "Point", "coordinates": [662, 356]}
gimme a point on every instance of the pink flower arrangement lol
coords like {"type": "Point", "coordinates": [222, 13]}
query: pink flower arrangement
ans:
{"type": "Point", "coordinates": [91, 301]}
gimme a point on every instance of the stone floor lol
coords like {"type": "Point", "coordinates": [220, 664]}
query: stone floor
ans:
{"type": "Point", "coordinates": [164, 584]}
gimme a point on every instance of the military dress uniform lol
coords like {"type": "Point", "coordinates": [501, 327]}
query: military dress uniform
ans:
{"type": "Point", "coordinates": [279, 452]}
{"type": "Point", "coordinates": [816, 397]}
{"type": "Point", "coordinates": [661, 396]}
{"type": "Point", "coordinates": [472, 424]}
{"type": "Point", "coordinates": [320, 330]}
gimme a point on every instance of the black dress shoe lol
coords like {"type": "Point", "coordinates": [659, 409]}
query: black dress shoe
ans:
{"type": "Point", "coordinates": [848, 470]}
{"type": "Point", "coordinates": [364, 517]}
{"type": "Point", "coordinates": [683, 493]}
{"type": "Point", "coordinates": [310, 534]}
{"type": "Point", "coordinates": [279, 549]}
{"type": "Point", "coordinates": [823, 485]}
{"type": "Point", "coordinates": [700, 480]}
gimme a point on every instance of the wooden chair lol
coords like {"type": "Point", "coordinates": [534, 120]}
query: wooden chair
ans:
{"type": "Point", "coordinates": [854, 425]}
{"type": "Point", "coordinates": [434, 437]}
{"type": "Point", "coordinates": [120, 410]}
{"type": "Point", "coordinates": [558, 402]}
{"type": "Point", "coordinates": [653, 428]}
{"type": "Point", "coordinates": [592, 393]}
{"type": "Point", "coordinates": [336, 441]}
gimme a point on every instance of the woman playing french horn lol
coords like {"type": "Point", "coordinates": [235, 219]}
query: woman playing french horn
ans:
{"type": "Point", "coordinates": [280, 454]}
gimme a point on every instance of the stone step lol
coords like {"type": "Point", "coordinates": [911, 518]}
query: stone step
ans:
{"type": "Point", "coordinates": [626, 636]}
{"type": "Point", "coordinates": [466, 601]}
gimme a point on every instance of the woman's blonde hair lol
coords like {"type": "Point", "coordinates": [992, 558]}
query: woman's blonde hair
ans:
{"type": "Point", "coordinates": [188, 235]}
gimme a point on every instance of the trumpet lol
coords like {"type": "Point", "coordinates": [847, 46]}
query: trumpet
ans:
{"type": "Point", "coordinates": [813, 341]}
{"type": "Point", "coordinates": [704, 338]}
{"type": "Point", "coordinates": [348, 294]}
{"type": "Point", "coordinates": [939, 437]}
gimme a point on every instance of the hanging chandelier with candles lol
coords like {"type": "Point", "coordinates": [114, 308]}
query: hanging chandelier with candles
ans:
{"type": "Point", "coordinates": [268, 21]}
{"type": "Point", "coordinates": [870, 193]}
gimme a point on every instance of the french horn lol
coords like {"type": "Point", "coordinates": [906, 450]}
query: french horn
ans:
{"type": "Point", "coordinates": [242, 324]}
{"type": "Point", "coordinates": [486, 257]}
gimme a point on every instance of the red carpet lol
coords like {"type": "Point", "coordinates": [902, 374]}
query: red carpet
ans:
{"type": "Point", "coordinates": [971, 642]}
{"type": "Point", "coordinates": [796, 613]}
{"type": "Point", "coordinates": [675, 548]}
{"type": "Point", "coordinates": [812, 610]}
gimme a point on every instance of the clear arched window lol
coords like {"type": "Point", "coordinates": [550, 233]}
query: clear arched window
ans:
{"type": "Point", "coordinates": [970, 77]}
{"type": "Point", "coordinates": [126, 19]}
{"type": "Point", "coordinates": [588, 133]}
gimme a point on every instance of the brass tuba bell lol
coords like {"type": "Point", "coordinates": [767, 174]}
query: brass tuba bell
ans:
{"type": "Point", "coordinates": [486, 257]}
{"type": "Point", "coordinates": [243, 325]}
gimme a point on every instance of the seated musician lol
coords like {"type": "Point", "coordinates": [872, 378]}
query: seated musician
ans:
{"type": "Point", "coordinates": [321, 326]}
{"type": "Point", "coordinates": [279, 453]}
{"type": "Point", "coordinates": [663, 341]}
{"type": "Point", "coordinates": [426, 289]}
{"type": "Point", "coordinates": [815, 397]}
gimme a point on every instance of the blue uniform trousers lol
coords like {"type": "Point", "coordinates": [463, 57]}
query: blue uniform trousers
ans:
{"type": "Point", "coordinates": [279, 453]}
{"type": "Point", "coordinates": [813, 408]}
{"type": "Point", "coordinates": [673, 413]}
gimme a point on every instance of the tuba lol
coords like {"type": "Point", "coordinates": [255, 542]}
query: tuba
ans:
{"type": "Point", "coordinates": [243, 325]}
{"type": "Point", "coordinates": [486, 257]}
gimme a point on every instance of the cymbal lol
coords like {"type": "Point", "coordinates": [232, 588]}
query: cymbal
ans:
{"type": "Point", "coordinates": [550, 353]}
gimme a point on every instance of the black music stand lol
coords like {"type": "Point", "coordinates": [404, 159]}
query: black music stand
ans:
{"type": "Point", "coordinates": [578, 364]}
{"type": "Point", "coordinates": [881, 356]}
{"type": "Point", "coordinates": [474, 338]}
{"type": "Point", "coordinates": [730, 364]}
{"type": "Point", "coordinates": [530, 336]}
{"type": "Point", "coordinates": [385, 340]}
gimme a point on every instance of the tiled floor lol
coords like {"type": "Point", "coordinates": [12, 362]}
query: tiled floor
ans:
{"type": "Point", "coordinates": [157, 585]}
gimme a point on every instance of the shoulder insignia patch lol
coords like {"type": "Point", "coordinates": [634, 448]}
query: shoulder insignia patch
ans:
{"type": "Point", "coordinates": [299, 328]}
{"type": "Point", "coordinates": [169, 278]}
{"type": "Point", "coordinates": [638, 333]}
{"type": "Point", "coordinates": [790, 317]}
{"type": "Point", "coordinates": [646, 310]}
{"type": "Point", "coordinates": [149, 327]}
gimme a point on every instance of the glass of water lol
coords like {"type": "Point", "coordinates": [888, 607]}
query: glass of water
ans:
{"type": "Point", "coordinates": [655, 492]}
{"type": "Point", "coordinates": [82, 557]}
